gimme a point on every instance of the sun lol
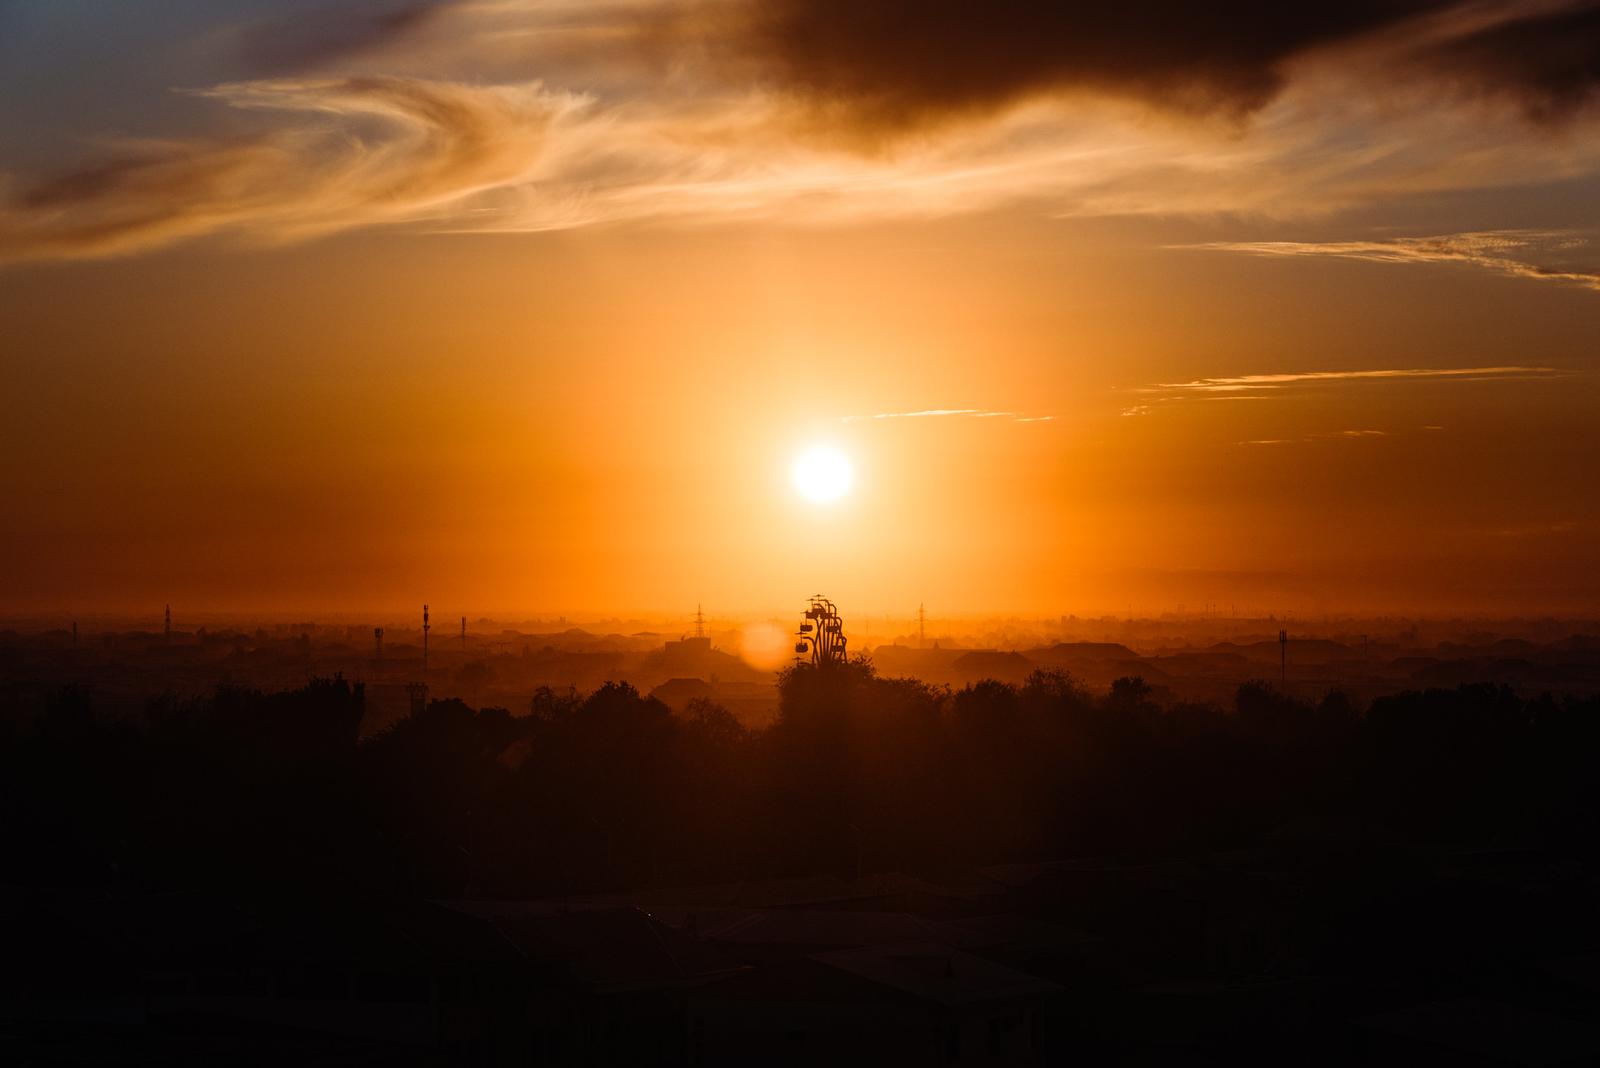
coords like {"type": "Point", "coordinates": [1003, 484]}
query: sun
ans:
{"type": "Point", "coordinates": [823, 473]}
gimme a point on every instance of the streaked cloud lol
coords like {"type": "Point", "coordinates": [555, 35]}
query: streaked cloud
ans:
{"type": "Point", "coordinates": [1535, 530]}
{"type": "Point", "coordinates": [963, 413]}
{"type": "Point", "coordinates": [1265, 382]}
{"type": "Point", "coordinates": [366, 151]}
{"type": "Point", "coordinates": [1510, 252]}
{"type": "Point", "coordinates": [1337, 434]}
{"type": "Point", "coordinates": [536, 115]}
{"type": "Point", "coordinates": [1265, 387]}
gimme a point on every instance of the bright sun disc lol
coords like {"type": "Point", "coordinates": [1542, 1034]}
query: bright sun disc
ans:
{"type": "Point", "coordinates": [823, 474]}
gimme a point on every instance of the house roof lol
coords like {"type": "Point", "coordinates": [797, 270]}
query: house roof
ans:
{"type": "Point", "coordinates": [1493, 1030]}
{"type": "Point", "coordinates": [610, 949]}
{"type": "Point", "coordinates": [824, 928]}
{"type": "Point", "coordinates": [932, 972]}
{"type": "Point", "coordinates": [673, 901]}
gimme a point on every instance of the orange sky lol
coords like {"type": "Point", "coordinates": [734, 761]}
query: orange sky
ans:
{"type": "Point", "coordinates": [288, 381]}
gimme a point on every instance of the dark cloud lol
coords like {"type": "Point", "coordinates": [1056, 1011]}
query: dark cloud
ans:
{"type": "Point", "coordinates": [329, 32]}
{"type": "Point", "coordinates": [1549, 61]}
{"type": "Point", "coordinates": [893, 64]}
{"type": "Point", "coordinates": [896, 62]}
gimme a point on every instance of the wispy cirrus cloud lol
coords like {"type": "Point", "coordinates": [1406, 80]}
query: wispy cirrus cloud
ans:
{"type": "Point", "coordinates": [960, 413]}
{"type": "Point", "coordinates": [1259, 383]}
{"type": "Point", "coordinates": [1335, 435]}
{"type": "Point", "coordinates": [367, 151]}
{"type": "Point", "coordinates": [1509, 252]}
{"type": "Point", "coordinates": [824, 112]}
{"type": "Point", "coordinates": [1264, 387]}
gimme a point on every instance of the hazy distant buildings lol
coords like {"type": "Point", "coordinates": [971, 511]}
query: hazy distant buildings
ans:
{"type": "Point", "coordinates": [687, 648]}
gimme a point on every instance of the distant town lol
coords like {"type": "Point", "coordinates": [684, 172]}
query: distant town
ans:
{"type": "Point", "coordinates": [493, 664]}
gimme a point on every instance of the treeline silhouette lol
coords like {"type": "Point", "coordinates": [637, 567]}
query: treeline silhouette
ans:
{"type": "Point", "coordinates": [611, 790]}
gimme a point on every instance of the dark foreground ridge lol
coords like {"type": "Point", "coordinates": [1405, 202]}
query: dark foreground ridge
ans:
{"type": "Point", "coordinates": [893, 872]}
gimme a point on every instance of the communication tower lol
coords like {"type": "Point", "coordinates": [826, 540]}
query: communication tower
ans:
{"type": "Point", "coordinates": [425, 629]}
{"type": "Point", "coordinates": [463, 635]}
{"type": "Point", "coordinates": [699, 622]}
{"type": "Point", "coordinates": [922, 627]}
{"type": "Point", "coordinates": [821, 635]}
{"type": "Point", "coordinates": [377, 643]}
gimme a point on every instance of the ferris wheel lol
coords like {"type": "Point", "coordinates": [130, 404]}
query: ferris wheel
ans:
{"type": "Point", "coordinates": [821, 634]}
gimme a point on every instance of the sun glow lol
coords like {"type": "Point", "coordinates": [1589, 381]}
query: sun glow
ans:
{"type": "Point", "coordinates": [823, 473]}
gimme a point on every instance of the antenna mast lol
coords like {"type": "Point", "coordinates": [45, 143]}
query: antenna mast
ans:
{"type": "Point", "coordinates": [425, 628]}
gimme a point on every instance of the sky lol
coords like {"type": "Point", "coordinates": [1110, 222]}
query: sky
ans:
{"type": "Point", "coordinates": [530, 305]}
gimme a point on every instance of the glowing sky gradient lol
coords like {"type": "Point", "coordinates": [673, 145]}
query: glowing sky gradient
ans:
{"type": "Point", "coordinates": [531, 305]}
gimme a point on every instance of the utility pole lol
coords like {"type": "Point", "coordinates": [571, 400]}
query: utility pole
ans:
{"type": "Point", "coordinates": [1283, 659]}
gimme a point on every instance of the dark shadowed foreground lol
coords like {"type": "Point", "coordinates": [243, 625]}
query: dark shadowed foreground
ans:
{"type": "Point", "coordinates": [892, 872]}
